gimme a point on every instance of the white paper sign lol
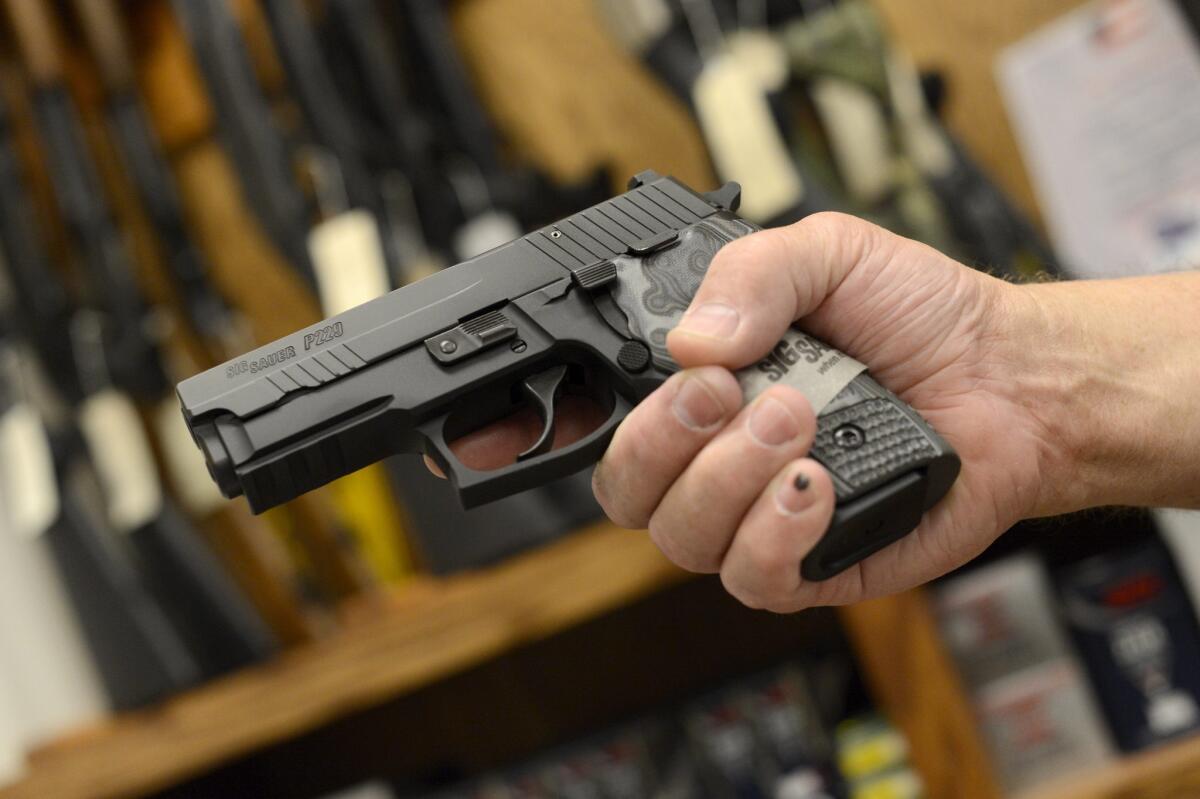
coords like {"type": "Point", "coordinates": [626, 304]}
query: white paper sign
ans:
{"type": "Point", "coordinates": [1106, 106]}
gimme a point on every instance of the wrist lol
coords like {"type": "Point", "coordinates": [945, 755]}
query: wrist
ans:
{"type": "Point", "coordinates": [1108, 377]}
{"type": "Point", "coordinates": [1041, 374]}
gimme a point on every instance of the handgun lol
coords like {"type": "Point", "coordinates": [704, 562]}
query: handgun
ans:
{"type": "Point", "coordinates": [579, 307]}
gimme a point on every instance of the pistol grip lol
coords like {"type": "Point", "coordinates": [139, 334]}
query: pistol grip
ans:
{"type": "Point", "coordinates": [888, 467]}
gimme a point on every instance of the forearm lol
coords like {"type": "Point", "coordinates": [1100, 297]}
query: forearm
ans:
{"type": "Point", "coordinates": [1114, 380]}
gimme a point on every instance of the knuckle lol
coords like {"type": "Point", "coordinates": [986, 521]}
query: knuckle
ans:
{"type": "Point", "coordinates": [832, 224]}
{"type": "Point", "coordinates": [617, 495]}
{"type": "Point", "coordinates": [749, 600]}
{"type": "Point", "coordinates": [840, 235]}
{"type": "Point", "coordinates": [626, 435]}
{"type": "Point", "coordinates": [761, 577]}
{"type": "Point", "coordinates": [783, 604]}
{"type": "Point", "coordinates": [739, 591]}
{"type": "Point", "coordinates": [662, 535]}
{"type": "Point", "coordinates": [613, 503]}
{"type": "Point", "coordinates": [750, 267]}
{"type": "Point", "coordinates": [764, 247]}
{"type": "Point", "coordinates": [723, 385]}
{"type": "Point", "coordinates": [705, 486]}
{"type": "Point", "coordinates": [769, 559]}
{"type": "Point", "coordinates": [628, 448]}
{"type": "Point", "coordinates": [671, 539]}
{"type": "Point", "coordinates": [799, 406]}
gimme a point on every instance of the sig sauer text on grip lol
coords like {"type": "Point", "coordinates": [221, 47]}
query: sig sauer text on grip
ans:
{"type": "Point", "coordinates": [579, 307]}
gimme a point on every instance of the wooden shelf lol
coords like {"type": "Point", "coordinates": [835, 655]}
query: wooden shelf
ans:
{"type": "Point", "coordinates": [432, 630]}
{"type": "Point", "coordinates": [436, 628]}
{"type": "Point", "coordinates": [1169, 772]}
{"type": "Point", "coordinates": [914, 682]}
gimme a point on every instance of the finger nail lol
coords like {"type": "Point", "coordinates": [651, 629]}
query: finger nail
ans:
{"type": "Point", "coordinates": [696, 405]}
{"type": "Point", "coordinates": [771, 423]}
{"type": "Point", "coordinates": [713, 319]}
{"type": "Point", "coordinates": [794, 495]}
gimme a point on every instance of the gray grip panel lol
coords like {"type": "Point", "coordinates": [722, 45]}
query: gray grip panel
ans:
{"type": "Point", "coordinates": [653, 292]}
{"type": "Point", "coordinates": [868, 443]}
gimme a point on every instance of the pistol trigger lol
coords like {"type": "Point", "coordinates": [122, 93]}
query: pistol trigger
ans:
{"type": "Point", "coordinates": [543, 389]}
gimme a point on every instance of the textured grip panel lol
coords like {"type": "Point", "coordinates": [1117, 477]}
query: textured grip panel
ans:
{"type": "Point", "coordinates": [869, 443]}
{"type": "Point", "coordinates": [653, 291]}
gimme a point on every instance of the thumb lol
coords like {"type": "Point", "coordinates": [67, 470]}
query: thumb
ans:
{"type": "Point", "coordinates": [758, 285]}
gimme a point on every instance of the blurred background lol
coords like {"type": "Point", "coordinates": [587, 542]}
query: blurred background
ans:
{"type": "Point", "coordinates": [183, 181]}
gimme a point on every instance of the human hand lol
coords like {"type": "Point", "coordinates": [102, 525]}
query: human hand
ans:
{"type": "Point", "coordinates": [729, 489]}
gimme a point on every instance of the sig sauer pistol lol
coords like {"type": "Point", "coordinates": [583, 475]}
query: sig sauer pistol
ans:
{"type": "Point", "coordinates": [582, 307]}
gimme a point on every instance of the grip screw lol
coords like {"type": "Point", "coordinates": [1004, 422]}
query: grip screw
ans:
{"type": "Point", "coordinates": [849, 436]}
{"type": "Point", "coordinates": [447, 346]}
{"type": "Point", "coordinates": [634, 356]}
{"type": "Point", "coordinates": [518, 345]}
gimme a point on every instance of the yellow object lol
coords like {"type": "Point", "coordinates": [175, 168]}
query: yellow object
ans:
{"type": "Point", "coordinates": [367, 509]}
{"type": "Point", "coordinates": [283, 526]}
{"type": "Point", "coordinates": [867, 746]}
{"type": "Point", "coordinates": [902, 784]}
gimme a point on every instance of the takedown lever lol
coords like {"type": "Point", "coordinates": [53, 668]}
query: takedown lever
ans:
{"type": "Point", "coordinates": [543, 390]}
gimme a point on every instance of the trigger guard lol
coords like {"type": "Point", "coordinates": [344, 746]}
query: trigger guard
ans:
{"type": "Point", "coordinates": [475, 487]}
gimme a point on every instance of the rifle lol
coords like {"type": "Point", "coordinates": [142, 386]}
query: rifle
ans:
{"type": "Point", "coordinates": [47, 662]}
{"type": "Point", "coordinates": [142, 159]}
{"type": "Point", "coordinates": [140, 656]}
{"type": "Point", "coordinates": [250, 551]}
{"type": "Point", "coordinates": [398, 138]}
{"type": "Point", "coordinates": [394, 138]}
{"type": "Point", "coordinates": [116, 359]}
{"type": "Point", "coordinates": [215, 197]}
{"type": "Point", "coordinates": [329, 118]}
{"type": "Point", "coordinates": [737, 110]}
{"type": "Point", "coordinates": [451, 84]}
{"type": "Point", "coordinates": [846, 43]}
{"type": "Point", "coordinates": [248, 129]}
{"type": "Point", "coordinates": [507, 191]}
